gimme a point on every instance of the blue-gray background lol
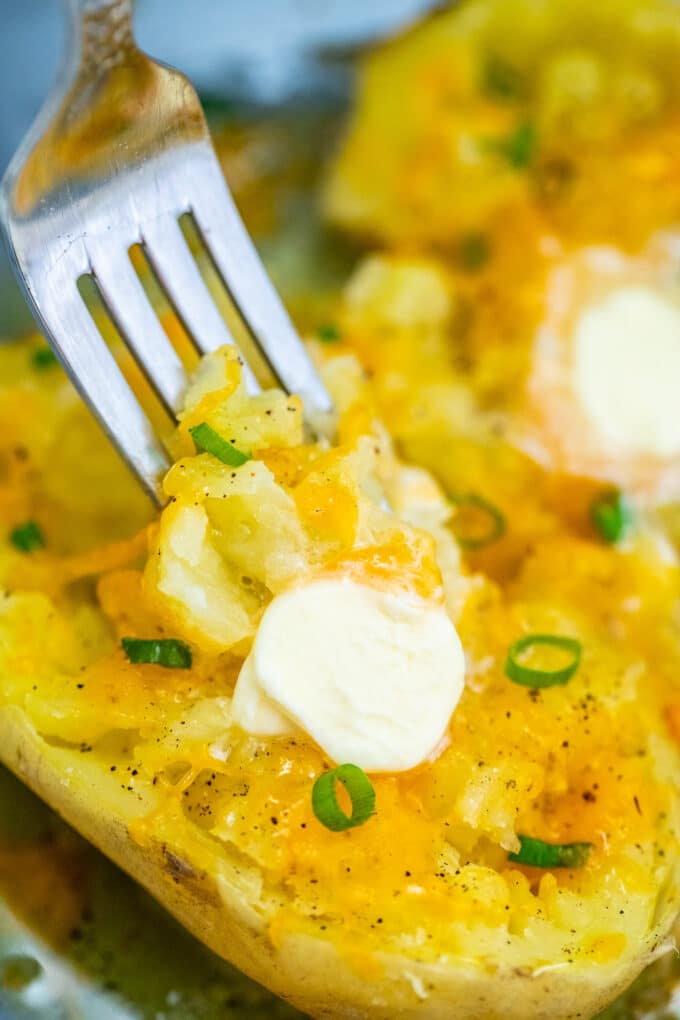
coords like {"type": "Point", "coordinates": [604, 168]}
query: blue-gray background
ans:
{"type": "Point", "coordinates": [264, 46]}
{"type": "Point", "coordinates": [271, 51]}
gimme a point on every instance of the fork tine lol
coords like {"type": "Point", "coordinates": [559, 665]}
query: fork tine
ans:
{"type": "Point", "coordinates": [239, 264]}
{"type": "Point", "coordinates": [93, 370]}
{"type": "Point", "coordinates": [131, 311]}
{"type": "Point", "coordinates": [175, 266]}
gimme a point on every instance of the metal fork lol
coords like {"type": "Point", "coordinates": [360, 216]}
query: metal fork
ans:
{"type": "Point", "coordinates": [120, 151]}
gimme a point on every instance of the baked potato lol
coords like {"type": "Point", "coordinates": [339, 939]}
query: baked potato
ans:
{"type": "Point", "coordinates": [418, 911]}
{"type": "Point", "coordinates": [489, 113]}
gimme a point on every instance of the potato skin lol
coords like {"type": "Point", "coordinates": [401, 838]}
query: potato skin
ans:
{"type": "Point", "coordinates": [309, 972]}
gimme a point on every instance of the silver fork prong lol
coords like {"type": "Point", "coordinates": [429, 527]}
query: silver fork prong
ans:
{"type": "Point", "coordinates": [170, 256]}
{"type": "Point", "coordinates": [136, 320]}
{"type": "Point", "coordinates": [119, 152]}
{"type": "Point", "coordinates": [92, 368]}
{"type": "Point", "coordinates": [251, 289]}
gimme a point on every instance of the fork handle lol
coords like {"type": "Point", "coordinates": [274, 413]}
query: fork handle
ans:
{"type": "Point", "coordinates": [102, 33]}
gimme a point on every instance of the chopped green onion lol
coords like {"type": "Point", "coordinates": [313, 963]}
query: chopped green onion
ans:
{"type": "Point", "coordinates": [501, 80]}
{"type": "Point", "coordinates": [492, 518]}
{"type": "Point", "coordinates": [473, 251]}
{"type": "Point", "coordinates": [168, 652]}
{"type": "Point", "coordinates": [43, 358]}
{"type": "Point", "coordinates": [528, 676]}
{"type": "Point", "coordinates": [539, 854]}
{"type": "Point", "coordinates": [610, 515]}
{"type": "Point", "coordinates": [328, 333]}
{"type": "Point", "coordinates": [519, 147]}
{"type": "Point", "coordinates": [207, 439]}
{"type": "Point", "coordinates": [361, 794]}
{"type": "Point", "coordinates": [19, 971]}
{"type": "Point", "coordinates": [27, 537]}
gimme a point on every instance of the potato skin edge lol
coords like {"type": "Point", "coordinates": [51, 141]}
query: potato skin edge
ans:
{"type": "Point", "coordinates": [309, 972]}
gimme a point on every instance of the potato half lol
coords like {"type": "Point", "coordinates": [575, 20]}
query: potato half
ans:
{"type": "Point", "coordinates": [204, 888]}
{"type": "Point", "coordinates": [421, 911]}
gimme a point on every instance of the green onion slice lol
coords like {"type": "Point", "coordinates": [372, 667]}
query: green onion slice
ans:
{"type": "Point", "coordinates": [492, 519]}
{"type": "Point", "coordinates": [168, 652]}
{"type": "Point", "coordinates": [27, 537]}
{"type": "Point", "coordinates": [218, 108]}
{"type": "Point", "coordinates": [528, 676]}
{"type": "Point", "coordinates": [18, 971]}
{"type": "Point", "coordinates": [501, 80]}
{"type": "Point", "coordinates": [473, 251]}
{"type": "Point", "coordinates": [611, 515]}
{"type": "Point", "coordinates": [518, 148]}
{"type": "Point", "coordinates": [325, 801]}
{"type": "Point", "coordinates": [539, 854]}
{"type": "Point", "coordinates": [210, 441]}
{"type": "Point", "coordinates": [43, 358]}
{"type": "Point", "coordinates": [328, 333]}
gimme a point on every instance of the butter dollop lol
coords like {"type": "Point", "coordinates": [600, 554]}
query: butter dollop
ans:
{"type": "Point", "coordinates": [372, 676]}
{"type": "Point", "coordinates": [627, 369]}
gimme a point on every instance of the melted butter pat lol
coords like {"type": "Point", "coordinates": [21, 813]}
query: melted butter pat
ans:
{"type": "Point", "coordinates": [627, 369]}
{"type": "Point", "coordinates": [371, 676]}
